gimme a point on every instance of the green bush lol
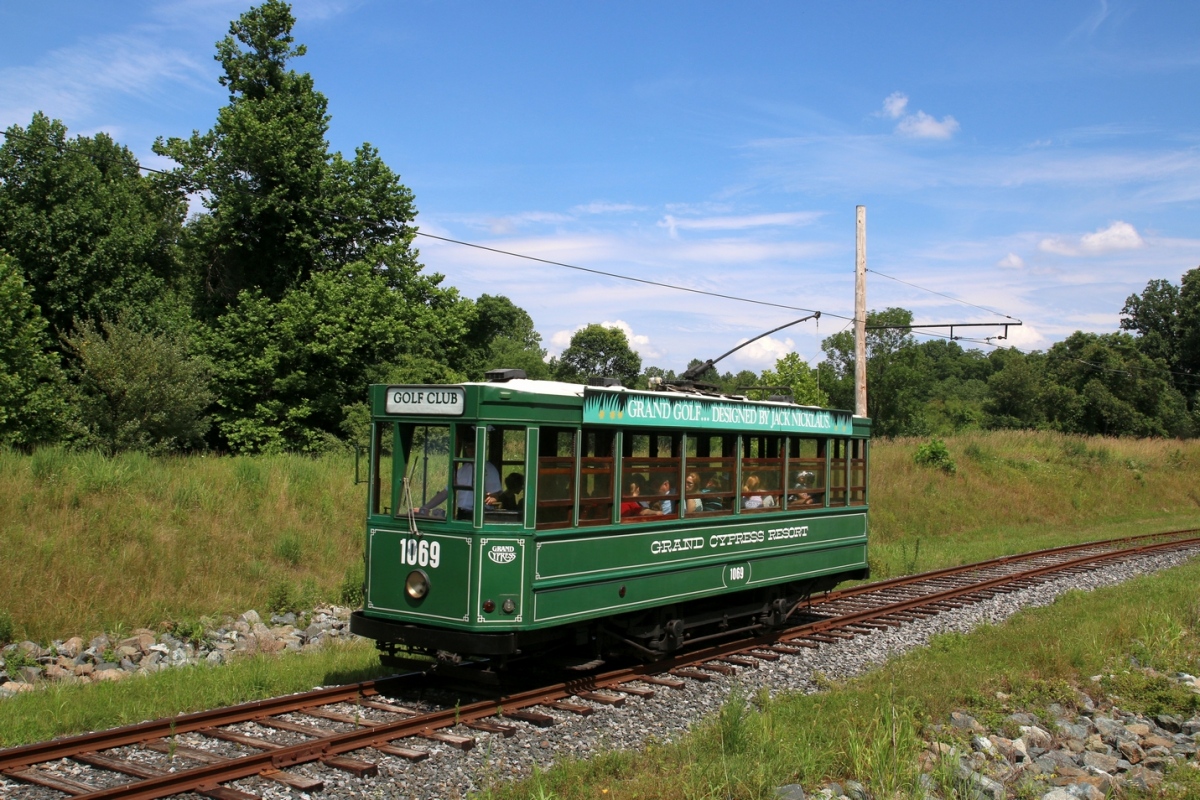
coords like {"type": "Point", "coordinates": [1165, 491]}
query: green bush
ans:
{"type": "Point", "coordinates": [934, 454]}
{"type": "Point", "coordinates": [6, 627]}
{"type": "Point", "coordinates": [351, 590]}
{"type": "Point", "coordinates": [138, 390]}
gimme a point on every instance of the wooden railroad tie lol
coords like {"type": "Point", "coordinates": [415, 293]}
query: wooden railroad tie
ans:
{"type": "Point", "coordinates": [487, 726]}
{"type": "Point", "coordinates": [658, 680]}
{"type": "Point", "coordinates": [463, 743]}
{"type": "Point", "coordinates": [603, 699]}
{"type": "Point", "coordinates": [407, 753]}
{"type": "Point", "coordinates": [532, 717]}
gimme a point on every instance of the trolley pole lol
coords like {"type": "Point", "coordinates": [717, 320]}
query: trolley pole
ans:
{"type": "Point", "coordinates": [860, 313]}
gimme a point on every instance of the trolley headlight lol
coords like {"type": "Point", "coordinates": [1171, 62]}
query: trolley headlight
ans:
{"type": "Point", "coordinates": [416, 585]}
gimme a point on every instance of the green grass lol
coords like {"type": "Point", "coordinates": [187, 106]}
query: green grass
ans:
{"type": "Point", "coordinates": [63, 709]}
{"type": "Point", "coordinates": [871, 729]}
{"type": "Point", "coordinates": [93, 543]}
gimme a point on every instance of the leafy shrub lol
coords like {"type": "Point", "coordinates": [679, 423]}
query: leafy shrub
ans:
{"type": "Point", "coordinates": [6, 627]}
{"type": "Point", "coordinates": [351, 591]}
{"type": "Point", "coordinates": [281, 597]}
{"type": "Point", "coordinates": [290, 548]}
{"type": "Point", "coordinates": [934, 454]}
{"type": "Point", "coordinates": [138, 390]}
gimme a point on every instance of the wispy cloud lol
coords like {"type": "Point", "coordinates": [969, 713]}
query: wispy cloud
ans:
{"type": "Point", "coordinates": [736, 223]}
{"type": "Point", "coordinates": [1011, 261]}
{"type": "Point", "coordinates": [1117, 236]}
{"type": "Point", "coordinates": [74, 82]}
{"type": "Point", "coordinates": [601, 207]}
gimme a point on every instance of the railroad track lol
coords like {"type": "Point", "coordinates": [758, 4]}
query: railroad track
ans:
{"type": "Point", "coordinates": [348, 727]}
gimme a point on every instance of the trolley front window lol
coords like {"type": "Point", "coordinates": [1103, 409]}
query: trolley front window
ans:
{"type": "Point", "coordinates": [426, 453]}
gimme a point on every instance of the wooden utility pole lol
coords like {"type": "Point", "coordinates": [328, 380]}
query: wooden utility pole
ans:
{"type": "Point", "coordinates": [860, 313]}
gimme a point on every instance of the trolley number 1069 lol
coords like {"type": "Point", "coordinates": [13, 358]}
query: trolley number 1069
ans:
{"type": "Point", "coordinates": [422, 553]}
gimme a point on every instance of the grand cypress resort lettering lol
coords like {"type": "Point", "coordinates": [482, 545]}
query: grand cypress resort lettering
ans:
{"type": "Point", "coordinates": [718, 540]}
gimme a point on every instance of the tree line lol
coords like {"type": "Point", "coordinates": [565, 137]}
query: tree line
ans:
{"type": "Point", "coordinates": [255, 324]}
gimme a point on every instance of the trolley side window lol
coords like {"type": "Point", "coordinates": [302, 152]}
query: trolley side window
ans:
{"type": "Point", "coordinates": [556, 478]}
{"type": "Point", "coordinates": [858, 472]}
{"type": "Point", "coordinates": [838, 465]}
{"type": "Point", "coordinates": [427, 470]}
{"type": "Point", "coordinates": [806, 473]}
{"type": "Point", "coordinates": [506, 452]}
{"type": "Point", "coordinates": [650, 469]}
{"type": "Point", "coordinates": [762, 473]}
{"type": "Point", "coordinates": [710, 475]}
{"type": "Point", "coordinates": [596, 478]}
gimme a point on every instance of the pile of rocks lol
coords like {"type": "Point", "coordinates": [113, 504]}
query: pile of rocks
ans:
{"type": "Point", "coordinates": [1092, 754]}
{"type": "Point", "coordinates": [27, 665]}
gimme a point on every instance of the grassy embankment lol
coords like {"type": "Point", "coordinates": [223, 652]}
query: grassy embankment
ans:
{"type": "Point", "coordinates": [89, 544]}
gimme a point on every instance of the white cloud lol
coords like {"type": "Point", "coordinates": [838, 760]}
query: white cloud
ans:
{"type": "Point", "coordinates": [923, 126]}
{"type": "Point", "coordinates": [1116, 237]}
{"type": "Point", "coordinates": [764, 353]}
{"type": "Point", "coordinates": [919, 125]}
{"type": "Point", "coordinates": [894, 105]}
{"type": "Point", "coordinates": [1011, 261]}
{"type": "Point", "coordinates": [737, 223]}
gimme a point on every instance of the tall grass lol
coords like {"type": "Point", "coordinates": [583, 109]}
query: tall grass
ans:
{"type": "Point", "coordinates": [89, 543]}
{"type": "Point", "coordinates": [1015, 491]}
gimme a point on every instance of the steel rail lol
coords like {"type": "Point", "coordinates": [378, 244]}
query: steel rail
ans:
{"type": "Point", "coordinates": [905, 580]}
{"type": "Point", "coordinates": [39, 753]}
{"type": "Point", "coordinates": [207, 778]}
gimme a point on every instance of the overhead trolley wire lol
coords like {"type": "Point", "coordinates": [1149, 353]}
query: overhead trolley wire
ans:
{"type": "Point", "coordinates": [619, 276]}
{"type": "Point", "coordinates": [941, 294]}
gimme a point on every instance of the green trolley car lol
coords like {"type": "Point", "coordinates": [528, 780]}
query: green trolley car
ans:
{"type": "Point", "coordinates": [514, 516]}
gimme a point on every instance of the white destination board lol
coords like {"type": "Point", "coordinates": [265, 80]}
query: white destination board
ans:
{"type": "Point", "coordinates": [438, 400]}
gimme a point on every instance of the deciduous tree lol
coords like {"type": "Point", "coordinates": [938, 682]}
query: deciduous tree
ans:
{"type": "Point", "coordinates": [93, 238]}
{"type": "Point", "coordinates": [33, 407]}
{"type": "Point", "coordinates": [599, 352]}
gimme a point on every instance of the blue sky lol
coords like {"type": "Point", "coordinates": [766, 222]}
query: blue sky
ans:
{"type": "Point", "coordinates": [1038, 159]}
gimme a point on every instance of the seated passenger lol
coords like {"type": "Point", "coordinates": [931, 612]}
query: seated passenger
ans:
{"type": "Point", "coordinates": [667, 506]}
{"type": "Point", "coordinates": [691, 490]}
{"type": "Point", "coordinates": [801, 484]}
{"type": "Point", "coordinates": [713, 485]}
{"type": "Point", "coordinates": [634, 507]}
{"type": "Point", "coordinates": [750, 489]}
{"type": "Point", "coordinates": [768, 483]}
{"type": "Point", "coordinates": [514, 484]}
{"type": "Point", "coordinates": [464, 479]}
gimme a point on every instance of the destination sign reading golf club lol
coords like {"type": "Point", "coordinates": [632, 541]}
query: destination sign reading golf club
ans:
{"type": "Point", "coordinates": [633, 410]}
{"type": "Point", "coordinates": [446, 401]}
